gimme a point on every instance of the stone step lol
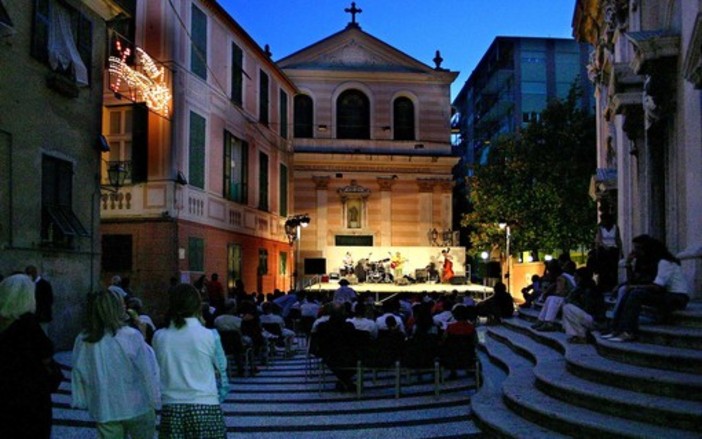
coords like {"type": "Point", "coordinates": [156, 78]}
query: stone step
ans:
{"type": "Point", "coordinates": [554, 379]}
{"type": "Point", "coordinates": [279, 403]}
{"type": "Point", "coordinates": [522, 397]}
{"type": "Point", "coordinates": [669, 347]}
{"type": "Point", "coordinates": [690, 316]}
{"type": "Point", "coordinates": [585, 362]}
{"type": "Point", "coordinates": [686, 337]}
{"type": "Point", "coordinates": [490, 412]}
{"type": "Point", "coordinates": [652, 355]}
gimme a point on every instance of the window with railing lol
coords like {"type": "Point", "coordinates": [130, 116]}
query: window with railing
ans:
{"type": "Point", "coordinates": [59, 223]}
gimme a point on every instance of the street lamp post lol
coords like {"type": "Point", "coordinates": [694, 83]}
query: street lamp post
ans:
{"type": "Point", "coordinates": [508, 256]}
{"type": "Point", "coordinates": [292, 230]}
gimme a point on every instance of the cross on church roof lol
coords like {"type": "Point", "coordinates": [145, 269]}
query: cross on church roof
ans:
{"type": "Point", "coordinates": [353, 10]}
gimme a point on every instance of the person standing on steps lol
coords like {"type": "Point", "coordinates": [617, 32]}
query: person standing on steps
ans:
{"type": "Point", "coordinates": [608, 251]}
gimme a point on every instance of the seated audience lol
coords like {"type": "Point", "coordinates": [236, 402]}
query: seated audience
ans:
{"type": "Point", "coordinates": [363, 323]}
{"type": "Point", "coordinates": [583, 306]}
{"type": "Point", "coordinates": [555, 296]}
{"type": "Point", "coordinates": [668, 292]}
{"type": "Point", "coordinates": [337, 345]}
{"type": "Point", "coordinates": [498, 306]}
{"type": "Point", "coordinates": [390, 308]}
{"type": "Point", "coordinates": [532, 291]}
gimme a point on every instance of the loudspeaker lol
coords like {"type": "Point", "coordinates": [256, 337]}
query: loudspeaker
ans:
{"type": "Point", "coordinates": [315, 265]}
{"type": "Point", "coordinates": [458, 280]}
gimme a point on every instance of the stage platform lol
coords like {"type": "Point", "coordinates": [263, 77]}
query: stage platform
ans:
{"type": "Point", "coordinates": [480, 292]}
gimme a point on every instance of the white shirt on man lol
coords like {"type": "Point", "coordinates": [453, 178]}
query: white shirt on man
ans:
{"type": "Point", "coordinates": [670, 276]}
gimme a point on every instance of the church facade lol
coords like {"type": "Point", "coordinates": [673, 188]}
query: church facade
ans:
{"type": "Point", "coordinates": [647, 70]}
{"type": "Point", "coordinates": [372, 149]}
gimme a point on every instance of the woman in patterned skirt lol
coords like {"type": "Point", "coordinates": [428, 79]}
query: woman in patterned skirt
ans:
{"type": "Point", "coordinates": [193, 371]}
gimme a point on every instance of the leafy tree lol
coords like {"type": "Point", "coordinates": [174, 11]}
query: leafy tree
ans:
{"type": "Point", "coordinates": [538, 181]}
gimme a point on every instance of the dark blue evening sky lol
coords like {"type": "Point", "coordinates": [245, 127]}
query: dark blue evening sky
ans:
{"type": "Point", "coordinates": [461, 29]}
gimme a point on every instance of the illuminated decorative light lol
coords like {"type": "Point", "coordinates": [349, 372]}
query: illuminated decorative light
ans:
{"type": "Point", "coordinates": [147, 84]}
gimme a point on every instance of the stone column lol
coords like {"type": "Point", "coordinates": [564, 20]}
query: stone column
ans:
{"type": "Point", "coordinates": [426, 209]}
{"type": "Point", "coordinates": [321, 185]}
{"type": "Point", "coordinates": [385, 184]}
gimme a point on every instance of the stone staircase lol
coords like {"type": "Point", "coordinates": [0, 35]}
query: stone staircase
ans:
{"type": "Point", "coordinates": [284, 400]}
{"type": "Point", "coordinates": [538, 385]}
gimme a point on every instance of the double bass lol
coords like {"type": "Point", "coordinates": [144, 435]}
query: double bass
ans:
{"type": "Point", "coordinates": [447, 269]}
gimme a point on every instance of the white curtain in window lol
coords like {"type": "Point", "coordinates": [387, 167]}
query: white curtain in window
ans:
{"type": "Point", "coordinates": [62, 48]}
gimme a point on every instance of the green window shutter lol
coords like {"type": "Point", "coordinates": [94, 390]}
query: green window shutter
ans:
{"type": "Point", "coordinates": [263, 98]}
{"type": "Point", "coordinates": [283, 114]}
{"type": "Point", "coordinates": [196, 169]}
{"type": "Point", "coordinates": [237, 74]}
{"type": "Point", "coordinates": [283, 190]}
{"type": "Point", "coordinates": [140, 143]}
{"type": "Point", "coordinates": [198, 46]}
{"type": "Point", "coordinates": [196, 254]}
{"type": "Point", "coordinates": [263, 181]}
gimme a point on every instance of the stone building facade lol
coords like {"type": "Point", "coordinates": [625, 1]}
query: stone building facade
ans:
{"type": "Point", "coordinates": [208, 170]}
{"type": "Point", "coordinates": [50, 99]}
{"type": "Point", "coordinates": [646, 67]}
{"type": "Point", "coordinates": [372, 147]}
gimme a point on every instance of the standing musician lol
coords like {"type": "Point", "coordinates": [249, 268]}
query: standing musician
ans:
{"type": "Point", "coordinates": [447, 270]}
{"type": "Point", "coordinates": [396, 263]}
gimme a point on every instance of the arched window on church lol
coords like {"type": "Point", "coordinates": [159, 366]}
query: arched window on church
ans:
{"type": "Point", "coordinates": [403, 119]}
{"type": "Point", "coordinates": [352, 115]}
{"type": "Point", "coordinates": [304, 116]}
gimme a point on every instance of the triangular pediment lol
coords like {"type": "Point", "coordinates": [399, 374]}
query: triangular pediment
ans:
{"type": "Point", "coordinates": [353, 50]}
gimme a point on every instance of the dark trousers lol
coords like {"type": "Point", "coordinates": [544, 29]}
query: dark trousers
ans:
{"type": "Point", "coordinates": [626, 317]}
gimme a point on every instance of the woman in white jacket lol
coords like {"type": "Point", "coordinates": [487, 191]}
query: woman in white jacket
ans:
{"type": "Point", "coordinates": [193, 371]}
{"type": "Point", "coordinates": [115, 375]}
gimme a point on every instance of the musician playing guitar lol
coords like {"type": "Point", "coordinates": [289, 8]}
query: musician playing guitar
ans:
{"type": "Point", "coordinates": [396, 263]}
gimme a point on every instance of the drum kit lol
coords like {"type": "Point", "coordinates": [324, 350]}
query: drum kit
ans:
{"type": "Point", "coordinates": [370, 271]}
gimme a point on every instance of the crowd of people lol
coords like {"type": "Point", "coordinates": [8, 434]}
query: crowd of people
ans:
{"type": "Point", "coordinates": [180, 366]}
{"type": "Point", "coordinates": [654, 278]}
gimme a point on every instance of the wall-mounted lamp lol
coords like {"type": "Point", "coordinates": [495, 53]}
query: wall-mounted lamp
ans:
{"type": "Point", "coordinates": [116, 175]}
{"type": "Point", "coordinates": [180, 179]}
{"type": "Point", "coordinates": [321, 128]}
{"type": "Point", "coordinates": [292, 224]}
